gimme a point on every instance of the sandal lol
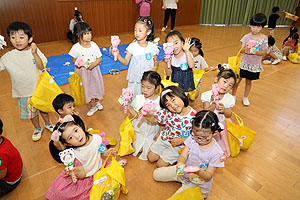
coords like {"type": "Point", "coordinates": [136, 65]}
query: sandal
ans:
{"type": "Point", "coordinates": [37, 134]}
{"type": "Point", "coordinates": [49, 126]}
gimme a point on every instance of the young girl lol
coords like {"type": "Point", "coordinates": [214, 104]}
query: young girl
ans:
{"type": "Point", "coordinates": [200, 150]}
{"type": "Point", "coordinates": [273, 55]}
{"type": "Point", "coordinates": [142, 53]}
{"type": "Point", "coordinates": [292, 30]}
{"type": "Point", "coordinates": [225, 79]}
{"type": "Point", "coordinates": [90, 75]}
{"type": "Point", "coordinates": [175, 120]}
{"type": "Point", "coordinates": [144, 130]}
{"type": "Point", "coordinates": [250, 66]}
{"type": "Point", "coordinates": [71, 132]}
{"type": "Point", "coordinates": [290, 46]}
{"type": "Point", "coordinates": [181, 62]}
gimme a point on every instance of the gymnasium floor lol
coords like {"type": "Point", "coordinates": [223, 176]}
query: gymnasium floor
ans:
{"type": "Point", "coordinates": [269, 170]}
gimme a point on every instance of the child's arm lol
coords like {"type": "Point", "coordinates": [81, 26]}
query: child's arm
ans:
{"type": "Point", "coordinates": [183, 156]}
{"type": "Point", "coordinates": [79, 172]}
{"type": "Point", "coordinates": [177, 141]}
{"type": "Point", "coordinates": [208, 106]}
{"type": "Point", "coordinates": [155, 64]}
{"type": "Point", "coordinates": [3, 173]}
{"type": "Point", "coordinates": [243, 47]}
{"type": "Point", "coordinates": [261, 53]}
{"type": "Point", "coordinates": [161, 127]}
{"type": "Point", "coordinates": [208, 174]}
{"type": "Point", "coordinates": [95, 64]}
{"type": "Point", "coordinates": [226, 111]}
{"type": "Point", "coordinates": [186, 48]}
{"type": "Point", "coordinates": [38, 60]}
{"type": "Point", "coordinates": [131, 110]}
{"type": "Point", "coordinates": [123, 61]}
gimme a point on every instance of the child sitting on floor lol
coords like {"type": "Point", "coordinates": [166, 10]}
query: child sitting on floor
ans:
{"type": "Point", "coordinates": [273, 55]}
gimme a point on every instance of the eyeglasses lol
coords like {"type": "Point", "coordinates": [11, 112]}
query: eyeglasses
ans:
{"type": "Point", "coordinates": [201, 137]}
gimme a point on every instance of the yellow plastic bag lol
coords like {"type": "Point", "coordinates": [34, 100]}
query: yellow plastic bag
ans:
{"type": "Point", "coordinates": [291, 16]}
{"type": "Point", "coordinates": [239, 136]}
{"type": "Point", "coordinates": [76, 88]}
{"type": "Point", "coordinates": [108, 181]}
{"type": "Point", "coordinates": [167, 83]}
{"type": "Point", "coordinates": [126, 132]}
{"type": "Point", "coordinates": [192, 193]}
{"type": "Point", "coordinates": [234, 63]}
{"type": "Point", "coordinates": [46, 90]}
{"type": "Point", "coordinates": [294, 58]}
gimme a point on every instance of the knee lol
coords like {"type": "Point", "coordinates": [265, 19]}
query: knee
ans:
{"type": "Point", "coordinates": [161, 163]}
{"type": "Point", "coordinates": [152, 157]}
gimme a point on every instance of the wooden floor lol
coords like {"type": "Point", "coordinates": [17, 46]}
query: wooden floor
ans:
{"type": "Point", "coordinates": [269, 170]}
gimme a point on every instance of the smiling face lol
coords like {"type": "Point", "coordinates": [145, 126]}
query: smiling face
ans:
{"type": "Point", "coordinates": [68, 109]}
{"type": "Point", "coordinates": [202, 136]}
{"type": "Point", "coordinates": [74, 136]}
{"type": "Point", "coordinates": [225, 84]}
{"type": "Point", "coordinates": [140, 31]}
{"type": "Point", "coordinates": [148, 89]}
{"type": "Point", "coordinates": [174, 104]}
{"type": "Point", "coordinates": [178, 44]}
{"type": "Point", "coordinates": [20, 40]}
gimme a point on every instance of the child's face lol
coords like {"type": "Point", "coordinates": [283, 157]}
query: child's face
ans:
{"type": "Point", "coordinates": [203, 136]}
{"type": "Point", "coordinates": [174, 104]}
{"type": "Point", "coordinates": [178, 44]}
{"type": "Point", "coordinates": [68, 109]}
{"type": "Point", "coordinates": [74, 135]}
{"type": "Point", "coordinates": [255, 29]}
{"type": "Point", "coordinates": [225, 84]}
{"type": "Point", "coordinates": [20, 40]}
{"type": "Point", "coordinates": [87, 36]}
{"type": "Point", "coordinates": [148, 89]}
{"type": "Point", "coordinates": [140, 31]}
{"type": "Point", "coordinates": [194, 51]}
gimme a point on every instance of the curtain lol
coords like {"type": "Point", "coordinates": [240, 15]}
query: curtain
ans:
{"type": "Point", "coordinates": [240, 11]}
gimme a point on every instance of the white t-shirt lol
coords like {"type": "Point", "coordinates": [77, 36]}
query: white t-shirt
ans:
{"type": "Point", "coordinates": [228, 101]}
{"type": "Point", "coordinates": [200, 63]}
{"type": "Point", "coordinates": [171, 4]}
{"type": "Point", "coordinates": [135, 49]}
{"type": "Point", "coordinates": [23, 72]}
{"type": "Point", "coordinates": [72, 24]}
{"type": "Point", "coordinates": [89, 156]}
{"type": "Point", "coordinates": [89, 55]}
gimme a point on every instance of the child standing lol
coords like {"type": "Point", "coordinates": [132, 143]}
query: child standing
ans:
{"type": "Point", "coordinates": [290, 46]}
{"type": "Point", "coordinates": [272, 20]}
{"type": "Point", "coordinates": [22, 64]}
{"type": "Point", "coordinates": [250, 66]}
{"type": "Point", "coordinates": [225, 79]}
{"type": "Point", "coordinates": [181, 62]}
{"type": "Point", "coordinates": [273, 54]}
{"type": "Point", "coordinates": [90, 75]}
{"type": "Point", "coordinates": [77, 18]}
{"type": "Point", "coordinates": [170, 7]}
{"type": "Point", "coordinates": [71, 132]}
{"type": "Point", "coordinates": [141, 53]}
{"type": "Point", "coordinates": [144, 130]}
{"type": "Point", "coordinates": [10, 165]}
{"type": "Point", "coordinates": [175, 120]}
{"type": "Point", "coordinates": [200, 150]}
{"type": "Point", "coordinates": [144, 7]}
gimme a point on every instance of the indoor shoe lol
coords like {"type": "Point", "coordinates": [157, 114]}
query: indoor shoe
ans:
{"type": "Point", "coordinates": [92, 111]}
{"type": "Point", "coordinates": [37, 134]}
{"type": "Point", "coordinates": [246, 101]}
{"type": "Point", "coordinates": [275, 62]}
{"type": "Point", "coordinates": [99, 105]}
{"type": "Point", "coordinates": [122, 162]}
{"type": "Point", "coordinates": [164, 28]}
{"type": "Point", "coordinates": [267, 62]}
{"type": "Point", "coordinates": [49, 126]}
{"type": "Point", "coordinates": [284, 58]}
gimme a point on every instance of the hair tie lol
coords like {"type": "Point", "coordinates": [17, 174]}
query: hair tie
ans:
{"type": "Point", "coordinates": [55, 135]}
{"type": "Point", "coordinates": [163, 93]}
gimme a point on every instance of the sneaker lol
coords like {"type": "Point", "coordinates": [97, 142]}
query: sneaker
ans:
{"type": "Point", "coordinates": [246, 101]}
{"type": "Point", "coordinates": [284, 58]}
{"type": "Point", "coordinates": [92, 111]}
{"type": "Point", "coordinates": [49, 126]}
{"type": "Point", "coordinates": [164, 28]}
{"type": "Point", "coordinates": [122, 162]}
{"type": "Point", "coordinates": [99, 105]}
{"type": "Point", "coordinates": [234, 98]}
{"type": "Point", "coordinates": [37, 134]}
{"type": "Point", "coordinates": [267, 62]}
{"type": "Point", "coordinates": [275, 62]}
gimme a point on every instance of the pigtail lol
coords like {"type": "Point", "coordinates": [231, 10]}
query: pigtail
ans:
{"type": "Point", "coordinates": [54, 151]}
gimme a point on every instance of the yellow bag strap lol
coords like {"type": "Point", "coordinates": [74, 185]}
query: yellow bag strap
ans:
{"type": "Point", "coordinates": [208, 71]}
{"type": "Point", "coordinates": [238, 118]}
{"type": "Point", "coordinates": [104, 163]}
{"type": "Point", "coordinates": [133, 117]}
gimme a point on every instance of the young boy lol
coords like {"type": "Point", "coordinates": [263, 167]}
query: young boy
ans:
{"type": "Point", "coordinates": [64, 105]}
{"type": "Point", "coordinates": [22, 64]}
{"type": "Point", "coordinates": [10, 165]}
{"type": "Point", "coordinates": [272, 20]}
{"type": "Point", "coordinates": [273, 55]}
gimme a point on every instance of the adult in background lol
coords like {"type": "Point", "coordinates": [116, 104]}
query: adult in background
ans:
{"type": "Point", "coordinates": [144, 7]}
{"type": "Point", "coordinates": [170, 7]}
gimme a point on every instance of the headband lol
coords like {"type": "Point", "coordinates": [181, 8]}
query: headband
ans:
{"type": "Point", "coordinates": [56, 134]}
{"type": "Point", "coordinates": [163, 93]}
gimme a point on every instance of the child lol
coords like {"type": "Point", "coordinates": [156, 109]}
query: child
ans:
{"type": "Point", "coordinates": [250, 66]}
{"type": "Point", "coordinates": [64, 105]}
{"type": "Point", "coordinates": [144, 130]}
{"type": "Point", "coordinates": [292, 30]}
{"type": "Point", "coordinates": [71, 132]}
{"type": "Point", "coordinates": [170, 7]}
{"type": "Point", "coordinates": [225, 79]}
{"type": "Point", "coordinates": [10, 165]}
{"type": "Point", "coordinates": [181, 62]}
{"type": "Point", "coordinates": [90, 74]}
{"type": "Point", "coordinates": [22, 64]}
{"type": "Point", "coordinates": [200, 150]}
{"type": "Point", "coordinates": [144, 7]}
{"type": "Point", "coordinates": [141, 53]}
{"type": "Point", "coordinates": [290, 46]}
{"type": "Point", "coordinates": [77, 18]}
{"type": "Point", "coordinates": [273, 54]}
{"type": "Point", "coordinates": [200, 63]}
{"type": "Point", "coordinates": [272, 20]}
{"type": "Point", "coordinates": [175, 120]}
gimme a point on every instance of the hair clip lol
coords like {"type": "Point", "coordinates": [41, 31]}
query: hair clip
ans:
{"type": "Point", "coordinates": [55, 136]}
{"type": "Point", "coordinates": [163, 93]}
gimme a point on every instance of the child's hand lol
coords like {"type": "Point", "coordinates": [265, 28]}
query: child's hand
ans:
{"type": "Point", "coordinates": [166, 59]}
{"type": "Point", "coordinates": [221, 108]}
{"type": "Point", "coordinates": [91, 66]}
{"type": "Point", "coordinates": [112, 150]}
{"type": "Point", "coordinates": [186, 47]}
{"type": "Point", "coordinates": [79, 172]}
{"type": "Point", "coordinates": [176, 142]}
{"type": "Point", "coordinates": [115, 51]}
{"type": "Point", "coordinates": [156, 136]}
{"type": "Point", "coordinates": [33, 48]}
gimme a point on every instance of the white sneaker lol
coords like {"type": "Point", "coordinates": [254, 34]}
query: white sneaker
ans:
{"type": "Point", "coordinates": [49, 126]}
{"type": "Point", "coordinates": [234, 98]}
{"type": "Point", "coordinates": [275, 62]}
{"type": "Point", "coordinates": [267, 62]}
{"type": "Point", "coordinates": [37, 134]}
{"type": "Point", "coordinates": [284, 58]}
{"type": "Point", "coordinates": [92, 111]}
{"type": "Point", "coordinates": [164, 28]}
{"type": "Point", "coordinates": [246, 101]}
{"type": "Point", "coordinates": [99, 105]}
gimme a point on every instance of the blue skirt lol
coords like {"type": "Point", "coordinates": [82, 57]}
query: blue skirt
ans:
{"type": "Point", "coordinates": [184, 78]}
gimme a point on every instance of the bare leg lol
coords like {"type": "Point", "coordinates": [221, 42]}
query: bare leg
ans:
{"type": "Point", "coordinates": [247, 87]}
{"type": "Point", "coordinates": [234, 89]}
{"type": "Point", "coordinates": [36, 122]}
{"type": "Point", "coordinates": [45, 117]}
{"type": "Point", "coordinates": [92, 103]}
{"type": "Point", "coordinates": [162, 163]}
{"type": "Point", "coordinates": [285, 50]}
{"type": "Point", "coordinates": [152, 157]}
{"type": "Point", "coordinates": [273, 55]}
